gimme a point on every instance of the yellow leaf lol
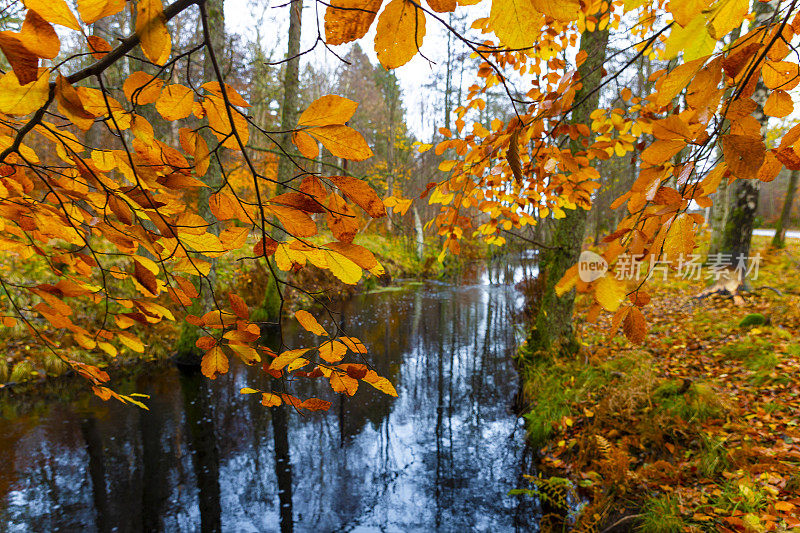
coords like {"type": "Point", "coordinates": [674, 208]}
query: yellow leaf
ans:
{"type": "Point", "coordinates": [332, 351]}
{"type": "Point", "coordinates": [399, 33]}
{"type": "Point", "coordinates": [55, 11]}
{"type": "Point", "coordinates": [93, 10]}
{"type": "Point", "coordinates": [214, 362]}
{"type": "Point", "coordinates": [686, 11]}
{"type": "Point", "coordinates": [609, 293]}
{"type": "Point", "coordinates": [287, 357]}
{"type": "Point", "coordinates": [248, 390]}
{"type": "Point", "coordinates": [679, 240]}
{"type": "Point", "coordinates": [300, 362]}
{"type": "Point", "coordinates": [343, 268]}
{"type": "Point", "coordinates": [567, 281]}
{"type": "Point", "coordinates": [349, 20]}
{"type": "Point", "coordinates": [327, 110]}
{"type": "Point", "coordinates": [175, 102]}
{"type": "Point", "coordinates": [726, 15]}
{"type": "Point", "coordinates": [342, 141]}
{"type": "Point", "coordinates": [677, 80]}
{"type": "Point", "coordinates": [380, 383]}
{"type": "Point", "coordinates": [693, 40]}
{"type": "Point", "coordinates": [562, 10]}
{"type": "Point", "coordinates": [270, 400]}
{"type": "Point", "coordinates": [16, 99]}
{"type": "Point", "coordinates": [517, 23]}
{"type": "Point", "coordinates": [310, 323]}
{"type": "Point", "coordinates": [156, 42]}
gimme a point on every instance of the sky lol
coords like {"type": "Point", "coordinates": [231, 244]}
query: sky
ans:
{"type": "Point", "coordinates": [241, 17]}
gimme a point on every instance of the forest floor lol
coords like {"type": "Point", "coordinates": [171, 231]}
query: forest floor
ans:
{"type": "Point", "coordinates": [696, 430]}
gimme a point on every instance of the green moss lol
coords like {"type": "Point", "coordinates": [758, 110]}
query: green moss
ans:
{"type": "Point", "coordinates": [22, 371]}
{"type": "Point", "coordinates": [698, 402]}
{"type": "Point", "coordinates": [753, 319]}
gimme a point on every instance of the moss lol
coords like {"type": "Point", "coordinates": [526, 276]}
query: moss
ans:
{"type": "Point", "coordinates": [698, 402]}
{"type": "Point", "coordinates": [753, 319]}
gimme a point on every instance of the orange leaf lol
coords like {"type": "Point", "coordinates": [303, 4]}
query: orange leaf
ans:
{"type": "Point", "coordinates": [399, 33]}
{"type": "Point", "coordinates": [360, 193]}
{"type": "Point", "coordinates": [23, 99]}
{"type": "Point", "coordinates": [93, 10]}
{"type": "Point", "coordinates": [779, 104]}
{"type": "Point", "coordinates": [634, 326]}
{"type": "Point", "coordinates": [342, 141]}
{"type": "Point", "coordinates": [341, 219]}
{"type": "Point", "coordinates": [55, 11]}
{"type": "Point", "coordinates": [609, 293]}
{"type": "Point", "coordinates": [342, 383]}
{"type": "Point", "coordinates": [24, 64]}
{"type": "Point", "coordinates": [270, 400]}
{"type": "Point", "coordinates": [175, 102]}
{"type": "Point", "coordinates": [315, 404]}
{"type": "Point", "coordinates": [443, 6]}
{"type": "Point", "coordinates": [744, 155]}
{"type": "Point", "coordinates": [239, 306]}
{"type": "Point", "coordinates": [328, 110]}
{"type": "Point", "coordinates": [287, 357]}
{"type": "Point", "coordinates": [141, 88]}
{"type": "Point", "coordinates": [349, 20]}
{"type": "Point", "coordinates": [214, 362]}
{"type": "Point", "coordinates": [310, 323]}
{"type": "Point", "coordinates": [69, 103]}
{"type": "Point", "coordinates": [332, 351]}
{"type": "Point", "coordinates": [98, 46]}
{"type": "Point", "coordinates": [38, 36]}
{"type": "Point", "coordinates": [145, 277]}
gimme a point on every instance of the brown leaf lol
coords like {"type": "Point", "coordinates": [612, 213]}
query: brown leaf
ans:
{"type": "Point", "coordinates": [360, 193]}
{"type": "Point", "coordinates": [744, 155]}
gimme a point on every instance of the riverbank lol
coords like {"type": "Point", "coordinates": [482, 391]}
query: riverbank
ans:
{"type": "Point", "coordinates": [697, 430]}
{"type": "Point", "coordinates": [25, 359]}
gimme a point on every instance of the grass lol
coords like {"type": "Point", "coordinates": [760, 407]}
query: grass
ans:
{"type": "Point", "coordinates": [660, 514]}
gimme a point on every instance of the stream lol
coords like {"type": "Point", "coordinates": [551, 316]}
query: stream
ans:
{"type": "Point", "coordinates": [439, 457]}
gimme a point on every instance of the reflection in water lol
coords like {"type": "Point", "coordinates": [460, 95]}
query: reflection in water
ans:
{"type": "Point", "coordinates": [205, 458]}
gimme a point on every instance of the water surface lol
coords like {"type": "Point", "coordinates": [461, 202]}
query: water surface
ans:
{"type": "Point", "coordinates": [441, 456]}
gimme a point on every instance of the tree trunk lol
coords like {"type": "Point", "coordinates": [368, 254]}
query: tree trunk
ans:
{"type": "Point", "coordinates": [186, 350]}
{"type": "Point", "coordinates": [552, 322]}
{"type": "Point", "coordinates": [779, 240]}
{"type": "Point", "coordinates": [291, 89]}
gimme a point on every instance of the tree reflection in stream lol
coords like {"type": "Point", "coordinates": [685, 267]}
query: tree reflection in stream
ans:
{"type": "Point", "coordinates": [440, 456]}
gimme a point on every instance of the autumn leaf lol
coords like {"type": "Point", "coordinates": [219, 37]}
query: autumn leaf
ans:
{"type": "Point", "coordinates": [517, 23]}
{"type": "Point", "coordinates": [380, 383]}
{"type": "Point", "coordinates": [779, 104]}
{"type": "Point", "coordinates": [360, 193]}
{"type": "Point", "coordinates": [214, 362]}
{"type": "Point", "coordinates": [310, 323]}
{"type": "Point", "coordinates": [24, 63]}
{"type": "Point", "coordinates": [332, 351]}
{"type": "Point", "coordinates": [270, 400]}
{"type": "Point", "coordinates": [349, 20]}
{"type": "Point", "coordinates": [342, 141]}
{"type": "Point", "coordinates": [141, 88]}
{"type": "Point", "coordinates": [399, 33]}
{"type": "Point", "coordinates": [98, 46]}
{"type": "Point", "coordinates": [19, 99]}
{"type": "Point", "coordinates": [634, 326]}
{"type": "Point", "coordinates": [239, 306]}
{"type": "Point", "coordinates": [341, 219]}
{"type": "Point", "coordinates": [155, 39]}
{"type": "Point", "coordinates": [93, 10]}
{"type": "Point", "coordinates": [342, 383]}
{"type": "Point", "coordinates": [609, 293]}
{"type": "Point", "coordinates": [287, 357]}
{"type": "Point", "coordinates": [38, 36]}
{"type": "Point", "coordinates": [327, 110]}
{"type": "Point", "coordinates": [442, 6]}
{"type": "Point", "coordinates": [744, 155]}
{"type": "Point", "coordinates": [561, 10]}
{"type": "Point", "coordinates": [55, 11]}
{"type": "Point", "coordinates": [175, 102]}
{"type": "Point", "coordinates": [343, 268]}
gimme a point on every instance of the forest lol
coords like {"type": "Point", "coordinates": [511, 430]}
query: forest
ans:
{"type": "Point", "coordinates": [401, 265]}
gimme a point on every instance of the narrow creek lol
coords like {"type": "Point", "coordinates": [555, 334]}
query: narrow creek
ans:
{"type": "Point", "coordinates": [442, 456]}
